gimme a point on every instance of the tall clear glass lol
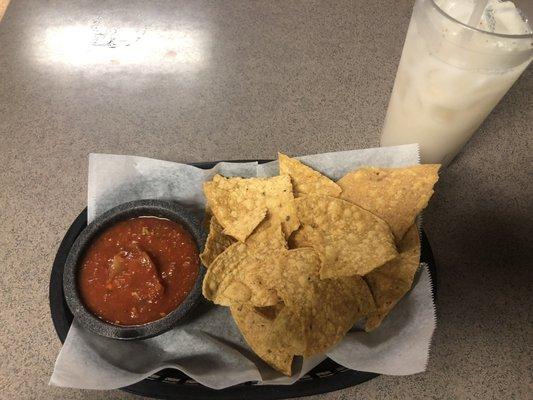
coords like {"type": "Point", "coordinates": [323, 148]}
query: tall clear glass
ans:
{"type": "Point", "coordinates": [450, 77]}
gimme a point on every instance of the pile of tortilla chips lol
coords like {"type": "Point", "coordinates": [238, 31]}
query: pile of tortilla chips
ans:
{"type": "Point", "coordinates": [300, 259]}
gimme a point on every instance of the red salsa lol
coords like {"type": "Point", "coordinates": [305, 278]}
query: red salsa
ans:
{"type": "Point", "coordinates": [138, 270]}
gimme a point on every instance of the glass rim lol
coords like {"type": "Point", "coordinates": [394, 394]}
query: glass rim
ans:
{"type": "Point", "coordinates": [502, 35]}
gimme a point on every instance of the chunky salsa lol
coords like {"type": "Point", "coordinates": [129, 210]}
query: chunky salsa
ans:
{"type": "Point", "coordinates": [138, 270]}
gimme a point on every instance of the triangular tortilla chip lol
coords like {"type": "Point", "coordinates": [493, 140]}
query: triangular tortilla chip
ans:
{"type": "Point", "coordinates": [336, 306]}
{"type": "Point", "coordinates": [390, 282]}
{"type": "Point", "coordinates": [348, 239]}
{"type": "Point", "coordinates": [267, 237]}
{"type": "Point", "coordinates": [233, 276]}
{"type": "Point", "coordinates": [240, 204]}
{"type": "Point", "coordinates": [310, 327]}
{"type": "Point", "coordinates": [397, 195]}
{"type": "Point", "coordinates": [274, 338]}
{"type": "Point", "coordinates": [328, 308]}
{"type": "Point", "coordinates": [306, 180]}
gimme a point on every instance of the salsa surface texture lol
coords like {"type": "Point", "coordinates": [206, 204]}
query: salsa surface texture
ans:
{"type": "Point", "coordinates": [138, 270]}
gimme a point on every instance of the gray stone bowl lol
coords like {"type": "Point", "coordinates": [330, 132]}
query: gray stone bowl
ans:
{"type": "Point", "coordinates": [158, 208]}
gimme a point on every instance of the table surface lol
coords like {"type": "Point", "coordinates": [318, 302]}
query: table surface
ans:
{"type": "Point", "coordinates": [230, 80]}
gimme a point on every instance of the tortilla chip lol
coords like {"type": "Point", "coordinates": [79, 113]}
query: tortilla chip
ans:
{"type": "Point", "coordinates": [228, 282]}
{"type": "Point", "coordinates": [336, 306]}
{"type": "Point", "coordinates": [348, 239]}
{"type": "Point", "coordinates": [241, 276]}
{"type": "Point", "coordinates": [397, 195]}
{"type": "Point", "coordinates": [268, 236]}
{"type": "Point", "coordinates": [235, 275]}
{"type": "Point", "coordinates": [306, 180]}
{"type": "Point", "coordinates": [294, 274]}
{"type": "Point", "coordinates": [328, 308]}
{"type": "Point", "coordinates": [240, 204]}
{"type": "Point", "coordinates": [275, 339]}
{"type": "Point", "coordinates": [216, 242]}
{"type": "Point", "coordinates": [390, 282]}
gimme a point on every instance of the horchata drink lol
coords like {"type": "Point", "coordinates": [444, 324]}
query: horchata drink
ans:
{"type": "Point", "coordinates": [459, 58]}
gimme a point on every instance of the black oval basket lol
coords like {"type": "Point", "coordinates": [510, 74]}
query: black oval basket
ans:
{"type": "Point", "coordinates": [174, 384]}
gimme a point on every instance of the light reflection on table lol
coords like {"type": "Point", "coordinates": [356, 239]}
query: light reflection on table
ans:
{"type": "Point", "coordinates": [116, 46]}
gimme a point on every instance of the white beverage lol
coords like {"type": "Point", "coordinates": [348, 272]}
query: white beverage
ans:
{"type": "Point", "coordinates": [450, 76]}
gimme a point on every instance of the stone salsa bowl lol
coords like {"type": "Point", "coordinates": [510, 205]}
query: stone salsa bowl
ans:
{"type": "Point", "coordinates": [171, 210]}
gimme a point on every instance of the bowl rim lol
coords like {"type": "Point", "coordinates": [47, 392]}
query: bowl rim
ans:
{"type": "Point", "coordinates": [170, 209]}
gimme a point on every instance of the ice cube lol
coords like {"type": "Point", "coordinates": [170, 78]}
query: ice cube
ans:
{"type": "Point", "coordinates": [504, 17]}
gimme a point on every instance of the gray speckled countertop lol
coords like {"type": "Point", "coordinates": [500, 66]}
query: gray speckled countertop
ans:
{"type": "Point", "coordinates": [249, 79]}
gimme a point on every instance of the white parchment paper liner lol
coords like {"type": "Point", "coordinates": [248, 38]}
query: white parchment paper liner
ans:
{"type": "Point", "coordinates": [209, 347]}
